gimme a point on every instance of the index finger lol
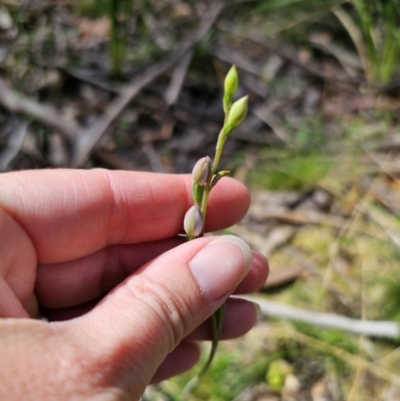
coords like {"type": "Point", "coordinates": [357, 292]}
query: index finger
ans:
{"type": "Point", "coordinates": [72, 213]}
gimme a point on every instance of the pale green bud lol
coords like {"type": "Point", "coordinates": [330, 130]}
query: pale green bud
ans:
{"type": "Point", "coordinates": [231, 81]}
{"type": "Point", "coordinates": [237, 114]}
{"type": "Point", "coordinates": [193, 222]}
{"type": "Point", "coordinates": [202, 170]}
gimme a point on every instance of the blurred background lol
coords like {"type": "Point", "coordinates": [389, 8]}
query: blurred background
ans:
{"type": "Point", "coordinates": [137, 85]}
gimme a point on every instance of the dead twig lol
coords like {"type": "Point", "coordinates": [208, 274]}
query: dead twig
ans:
{"type": "Point", "coordinates": [87, 77]}
{"type": "Point", "coordinates": [88, 139]}
{"type": "Point", "coordinates": [297, 217]}
{"type": "Point", "coordinates": [277, 278]}
{"type": "Point", "coordinates": [289, 53]}
{"type": "Point", "coordinates": [310, 217]}
{"type": "Point", "coordinates": [382, 329]}
{"type": "Point", "coordinates": [14, 145]}
{"type": "Point", "coordinates": [265, 244]}
{"type": "Point", "coordinates": [45, 114]}
{"type": "Point", "coordinates": [153, 157]}
{"type": "Point", "coordinates": [178, 76]}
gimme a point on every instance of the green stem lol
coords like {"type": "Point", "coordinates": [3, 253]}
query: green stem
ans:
{"type": "Point", "coordinates": [220, 143]}
{"type": "Point", "coordinates": [218, 151]}
{"type": "Point", "coordinates": [216, 331]}
{"type": "Point", "coordinates": [204, 201]}
{"type": "Point", "coordinates": [207, 189]}
{"type": "Point", "coordinates": [217, 317]}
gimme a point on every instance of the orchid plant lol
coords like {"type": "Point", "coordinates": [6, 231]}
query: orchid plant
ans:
{"type": "Point", "coordinates": [206, 176]}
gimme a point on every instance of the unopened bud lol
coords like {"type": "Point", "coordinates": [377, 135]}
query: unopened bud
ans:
{"type": "Point", "coordinates": [193, 222]}
{"type": "Point", "coordinates": [201, 170]}
{"type": "Point", "coordinates": [236, 114]}
{"type": "Point", "coordinates": [231, 81]}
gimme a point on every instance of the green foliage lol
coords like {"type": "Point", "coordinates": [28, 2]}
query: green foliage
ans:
{"type": "Point", "coordinates": [119, 12]}
{"type": "Point", "coordinates": [90, 8]}
{"type": "Point", "coordinates": [143, 52]}
{"type": "Point", "coordinates": [390, 303]}
{"type": "Point", "coordinates": [277, 373]}
{"type": "Point", "coordinates": [333, 337]}
{"type": "Point", "coordinates": [373, 26]}
{"type": "Point", "coordinates": [226, 378]}
{"type": "Point", "coordinates": [294, 172]}
{"type": "Point", "coordinates": [309, 134]}
{"type": "Point", "coordinates": [381, 34]}
{"type": "Point", "coordinates": [291, 5]}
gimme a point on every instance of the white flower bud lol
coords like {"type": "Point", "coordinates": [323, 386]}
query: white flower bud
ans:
{"type": "Point", "coordinates": [193, 222]}
{"type": "Point", "coordinates": [202, 170]}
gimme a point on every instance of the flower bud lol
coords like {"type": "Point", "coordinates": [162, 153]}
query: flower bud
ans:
{"type": "Point", "coordinates": [231, 81]}
{"type": "Point", "coordinates": [201, 170]}
{"type": "Point", "coordinates": [238, 111]}
{"type": "Point", "coordinates": [193, 222]}
{"type": "Point", "coordinates": [236, 114]}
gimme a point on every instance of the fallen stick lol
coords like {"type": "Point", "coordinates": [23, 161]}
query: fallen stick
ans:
{"type": "Point", "coordinates": [277, 278]}
{"type": "Point", "coordinates": [14, 145]}
{"type": "Point", "coordinates": [381, 329]}
{"type": "Point", "coordinates": [178, 76]}
{"type": "Point", "coordinates": [45, 114]}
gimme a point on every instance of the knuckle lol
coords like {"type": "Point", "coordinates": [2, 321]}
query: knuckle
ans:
{"type": "Point", "coordinates": [166, 310]}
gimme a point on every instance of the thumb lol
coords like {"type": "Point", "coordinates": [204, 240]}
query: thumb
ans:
{"type": "Point", "coordinates": [145, 318]}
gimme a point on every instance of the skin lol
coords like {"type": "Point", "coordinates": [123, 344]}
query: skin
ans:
{"type": "Point", "coordinates": [97, 253]}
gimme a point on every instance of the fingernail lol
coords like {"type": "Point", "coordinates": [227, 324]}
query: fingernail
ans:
{"type": "Point", "coordinates": [220, 266]}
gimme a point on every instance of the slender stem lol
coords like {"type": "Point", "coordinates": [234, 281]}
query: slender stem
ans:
{"type": "Point", "coordinates": [215, 332]}
{"type": "Point", "coordinates": [220, 142]}
{"type": "Point", "coordinates": [207, 189]}
{"type": "Point", "coordinates": [204, 201]}
{"type": "Point", "coordinates": [218, 151]}
{"type": "Point", "coordinates": [228, 109]}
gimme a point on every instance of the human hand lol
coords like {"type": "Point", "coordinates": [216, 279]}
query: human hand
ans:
{"type": "Point", "coordinates": [98, 252]}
